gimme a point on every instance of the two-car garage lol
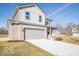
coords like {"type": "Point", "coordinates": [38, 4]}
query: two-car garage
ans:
{"type": "Point", "coordinates": [32, 33]}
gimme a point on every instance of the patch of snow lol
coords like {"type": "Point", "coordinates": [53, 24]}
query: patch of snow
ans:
{"type": "Point", "coordinates": [57, 47]}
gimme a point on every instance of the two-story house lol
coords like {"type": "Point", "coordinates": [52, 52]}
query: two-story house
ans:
{"type": "Point", "coordinates": [75, 32]}
{"type": "Point", "coordinates": [29, 22]}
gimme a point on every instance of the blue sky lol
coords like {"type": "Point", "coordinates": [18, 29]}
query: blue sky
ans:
{"type": "Point", "coordinates": [62, 14]}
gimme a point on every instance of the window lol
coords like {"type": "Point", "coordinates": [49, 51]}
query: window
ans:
{"type": "Point", "coordinates": [27, 15]}
{"type": "Point", "coordinates": [40, 18]}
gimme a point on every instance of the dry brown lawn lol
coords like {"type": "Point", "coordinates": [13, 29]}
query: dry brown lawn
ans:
{"type": "Point", "coordinates": [21, 48]}
{"type": "Point", "coordinates": [3, 37]}
{"type": "Point", "coordinates": [69, 39]}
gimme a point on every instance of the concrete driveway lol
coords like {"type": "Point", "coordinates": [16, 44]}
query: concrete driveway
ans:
{"type": "Point", "coordinates": [57, 47]}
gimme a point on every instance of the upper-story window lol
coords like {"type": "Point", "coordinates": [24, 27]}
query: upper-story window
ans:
{"type": "Point", "coordinates": [40, 18]}
{"type": "Point", "coordinates": [27, 15]}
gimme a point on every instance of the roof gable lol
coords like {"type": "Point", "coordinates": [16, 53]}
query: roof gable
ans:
{"type": "Point", "coordinates": [31, 5]}
{"type": "Point", "coordinates": [27, 6]}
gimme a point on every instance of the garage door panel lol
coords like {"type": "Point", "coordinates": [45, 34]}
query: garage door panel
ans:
{"type": "Point", "coordinates": [34, 34]}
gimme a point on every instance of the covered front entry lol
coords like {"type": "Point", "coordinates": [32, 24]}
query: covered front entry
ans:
{"type": "Point", "coordinates": [32, 33]}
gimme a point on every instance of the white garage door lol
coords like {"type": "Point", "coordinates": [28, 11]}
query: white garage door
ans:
{"type": "Point", "coordinates": [34, 34]}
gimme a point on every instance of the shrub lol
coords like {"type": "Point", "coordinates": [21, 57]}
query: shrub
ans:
{"type": "Point", "coordinates": [59, 38]}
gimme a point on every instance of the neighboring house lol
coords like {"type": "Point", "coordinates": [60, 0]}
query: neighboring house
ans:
{"type": "Point", "coordinates": [75, 32]}
{"type": "Point", "coordinates": [56, 32]}
{"type": "Point", "coordinates": [29, 22]}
